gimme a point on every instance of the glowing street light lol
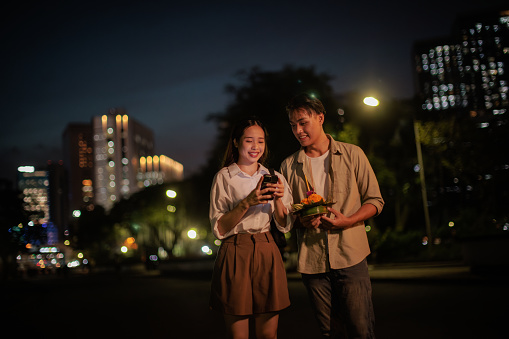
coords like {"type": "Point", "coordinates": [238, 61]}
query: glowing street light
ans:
{"type": "Point", "coordinates": [171, 194]}
{"type": "Point", "coordinates": [370, 101]}
{"type": "Point", "coordinates": [191, 234]}
{"type": "Point", "coordinates": [373, 102]}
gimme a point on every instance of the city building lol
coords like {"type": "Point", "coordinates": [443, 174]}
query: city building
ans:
{"type": "Point", "coordinates": [467, 73]}
{"type": "Point", "coordinates": [78, 148]}
{"type": "Point", "coordinates": [157, 170]}
{"type": "Point", "coordinates": [35, 188]}
{"type": "Point", "coordinates": [111, 158]}
{"type": "Point", "coordinates": [119, 142]}
{"type": "Point", "coordinates": [58, 204]}
{"type": "Point", "coordinates": [462, 89]}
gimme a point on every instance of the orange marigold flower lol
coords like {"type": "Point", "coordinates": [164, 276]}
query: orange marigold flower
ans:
{"type": "Point", "coordinates": [313, 198]}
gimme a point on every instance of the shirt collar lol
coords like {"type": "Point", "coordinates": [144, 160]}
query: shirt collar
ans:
{"type": "Point", "coordinates": [234, 169]}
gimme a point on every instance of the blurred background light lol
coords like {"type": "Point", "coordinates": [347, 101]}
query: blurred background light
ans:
{"type": "Point", "coordinates": [370, 101]}
{"type": "Point", "coordinates": [171, 194]}
{"type": "Point", "coordinates": [191, 234]}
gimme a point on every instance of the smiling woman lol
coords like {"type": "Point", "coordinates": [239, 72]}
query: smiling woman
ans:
{"type": "Point", "coordinates": [240, 214]}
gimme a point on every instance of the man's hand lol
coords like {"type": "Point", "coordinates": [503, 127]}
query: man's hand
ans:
{"type": "Point", "coordinates": [340, 222]}
{"type": "Point", "coordinates": [313, 221]}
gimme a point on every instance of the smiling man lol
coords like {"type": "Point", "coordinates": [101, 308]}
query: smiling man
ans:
{"type": "Point", "coordinates": [333, 247]}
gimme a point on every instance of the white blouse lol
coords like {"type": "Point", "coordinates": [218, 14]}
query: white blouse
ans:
{"type": "Point", "coordinates": [229, 187]}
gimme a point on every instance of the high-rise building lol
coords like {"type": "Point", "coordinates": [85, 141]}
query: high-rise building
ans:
{"type": "Point", "coordinates": [112, 158]}
{"type": "Point", "coordinates": [34, 186]}
{"type": "Point", "coordinates": [119, 142]}
{"type": "Point", "coordinates": [78, 145]}
{"type": "Point", "coordinates": [468, 72]}
{"type": "Point", "coordinates": [58, 204]}
{"type": "Point", "coordinates": [462, 86]}
{"type": "Point", "coordinates": [157, 170]}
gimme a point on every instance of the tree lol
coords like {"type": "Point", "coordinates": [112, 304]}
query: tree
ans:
{"type": "Point", "coordinates": [264, 94]}
{"type": "Point", "coordinates": [95, 234]}
{"type": "Point", "coordinates": [466, 161]}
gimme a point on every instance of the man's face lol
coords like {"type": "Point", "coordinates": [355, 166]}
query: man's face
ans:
{"type": "Point", "coordinates": [306, 127]}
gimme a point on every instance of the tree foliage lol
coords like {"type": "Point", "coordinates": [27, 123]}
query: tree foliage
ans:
{"type": "Point", "coordinates": [264, 94]}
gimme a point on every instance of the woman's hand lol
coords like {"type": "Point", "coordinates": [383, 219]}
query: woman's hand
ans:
{"type": "Point", "coordinates": [232, 218]}
{"type": "Point", "coordinates": [259, 196]}
{"type": "Point", "coordinates": [278, 189]}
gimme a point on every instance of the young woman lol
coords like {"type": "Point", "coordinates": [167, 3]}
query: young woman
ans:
{"type": "Point", "coordinates": [249, 279]}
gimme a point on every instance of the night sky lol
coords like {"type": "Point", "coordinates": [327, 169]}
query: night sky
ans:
{"type": "Point", "coordinates": [167, 64]}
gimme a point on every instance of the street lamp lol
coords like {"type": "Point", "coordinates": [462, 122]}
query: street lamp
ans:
{"type": "Point", "coordinates": [192, 234]}
{"type": "Point", "coordinates": [373, 102]}
{"type": "Point", "coordinates": [422, 179]}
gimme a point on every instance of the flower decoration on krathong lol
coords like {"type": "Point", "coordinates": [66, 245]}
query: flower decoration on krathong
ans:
{"type": "Point", "coordinates": [311, 205]}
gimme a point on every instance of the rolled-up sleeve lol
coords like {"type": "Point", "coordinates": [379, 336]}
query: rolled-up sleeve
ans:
{"type": "Point", "coordinates": [368, 184]}
{"type": "Point", "coordinates": [219, 203]}
{"type": "Point", "coordinates": [287, 201]}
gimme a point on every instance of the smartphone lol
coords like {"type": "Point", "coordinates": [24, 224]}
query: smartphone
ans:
{"type": "Point", "coordinates": [269, 179]}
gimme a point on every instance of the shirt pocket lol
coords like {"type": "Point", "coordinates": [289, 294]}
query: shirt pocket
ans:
{"type": "Point", "coordinates": [343, 182]}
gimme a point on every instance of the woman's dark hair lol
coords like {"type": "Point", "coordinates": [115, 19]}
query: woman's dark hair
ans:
{"type": "Point", "coordinates": [232, 153]}
{"type": "Point", "coordinates": [307, 102]}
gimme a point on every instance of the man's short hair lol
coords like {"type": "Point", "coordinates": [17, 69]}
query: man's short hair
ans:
{"type": "Point", "coordinates": [307, 102]}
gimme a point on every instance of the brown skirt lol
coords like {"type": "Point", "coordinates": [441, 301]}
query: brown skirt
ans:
{"type": "Point", "coordinates": [249, 276]}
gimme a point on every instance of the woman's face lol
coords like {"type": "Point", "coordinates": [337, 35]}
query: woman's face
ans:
{"type": "Point", "coordinates": [251, 145]}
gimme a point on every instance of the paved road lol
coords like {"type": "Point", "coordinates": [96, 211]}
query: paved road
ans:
{"type": "Point", "coordinates": [154, 306]}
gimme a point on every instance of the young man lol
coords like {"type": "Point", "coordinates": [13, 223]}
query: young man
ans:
{"type": "Point", "coordinates": [333, 247]}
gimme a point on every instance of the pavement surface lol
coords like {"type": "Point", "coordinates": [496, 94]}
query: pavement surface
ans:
{"type": "Point", "coordinates": [418, 301]}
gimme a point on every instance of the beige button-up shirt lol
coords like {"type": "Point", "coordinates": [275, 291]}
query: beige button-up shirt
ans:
{"type": "Point", "coordinates": [352, 183]}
